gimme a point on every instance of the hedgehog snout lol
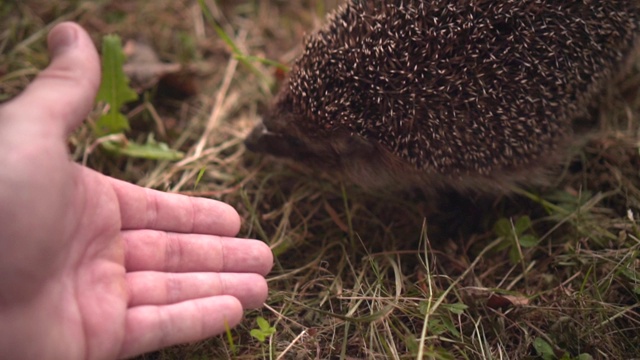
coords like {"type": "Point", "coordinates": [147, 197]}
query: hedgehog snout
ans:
{"type": "Point", "coordinates": [255, 141]}
{"type": "Point", "coordinates": [262, 140]}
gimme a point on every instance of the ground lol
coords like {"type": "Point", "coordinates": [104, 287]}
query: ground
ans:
{"type": "Point", "coordinates": [548, 273]}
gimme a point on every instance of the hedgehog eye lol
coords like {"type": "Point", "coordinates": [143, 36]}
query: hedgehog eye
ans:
{"type": "Point", "coordinates": [295, 142]}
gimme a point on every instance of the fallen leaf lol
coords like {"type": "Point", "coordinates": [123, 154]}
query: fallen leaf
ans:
{"type": "Point", "coordinates": [496, 301]}
{"type": "Point", "coordinates": [144, 67]}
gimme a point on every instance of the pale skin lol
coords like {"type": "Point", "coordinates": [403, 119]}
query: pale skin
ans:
{"type": "Point", "coordinates": [95, 268]}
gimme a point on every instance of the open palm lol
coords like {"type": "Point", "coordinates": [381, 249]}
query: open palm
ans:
{"type": "Point", "coordinates": [93, 267]}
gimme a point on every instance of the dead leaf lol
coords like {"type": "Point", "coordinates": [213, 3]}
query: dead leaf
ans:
{"type": "Point", "coordinates": [143, 66]}
{"type": "Point", "coordinates": [496, 301]}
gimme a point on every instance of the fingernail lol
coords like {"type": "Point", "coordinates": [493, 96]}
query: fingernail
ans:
{"type": "Point", "coordinates": [62, 38]}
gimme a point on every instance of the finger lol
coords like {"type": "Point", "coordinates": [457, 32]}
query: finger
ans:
{"type": "Point", "coordinates": [150, 328]}
{"type": "Point", "coordinates": [151, 209]}
{"type": "Point", "coordinates": [148, 250]}
{"type": "Point", "coordinates": [156, 288]}
{"type": "Point", "coordinates": [66, 89]}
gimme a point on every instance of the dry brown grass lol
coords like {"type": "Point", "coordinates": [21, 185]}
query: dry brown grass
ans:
{"type": "Point", "coordinates": [357, 275]}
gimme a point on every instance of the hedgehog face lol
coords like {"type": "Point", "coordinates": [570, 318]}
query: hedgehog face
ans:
{"type": "Point", "coordinates": [279, 134]}
{"type": "Point", "coordinates": [282, 133]}
{"type": "Point", "coordinates": [264, 140]}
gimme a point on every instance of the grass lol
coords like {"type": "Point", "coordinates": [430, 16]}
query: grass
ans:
{"type": "Point", "coordinates": [358, 275]}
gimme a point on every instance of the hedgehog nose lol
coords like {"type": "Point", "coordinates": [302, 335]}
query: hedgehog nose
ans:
{"type": "Point", "coordinates": [255, 141]}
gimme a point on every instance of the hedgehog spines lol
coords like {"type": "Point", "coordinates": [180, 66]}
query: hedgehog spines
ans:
{"type": "Point", "coordinates": [458, 88]}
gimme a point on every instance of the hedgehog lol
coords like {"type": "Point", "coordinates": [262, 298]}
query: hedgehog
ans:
{"type": "Point", "coordinates": [465, 94]}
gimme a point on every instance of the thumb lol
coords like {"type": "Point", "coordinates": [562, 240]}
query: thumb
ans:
{"type": "Point", "coordinates": [62, 95]}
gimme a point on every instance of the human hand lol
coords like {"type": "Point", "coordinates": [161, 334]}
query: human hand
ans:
{"type": "Point", "coordinates": [93, 267]}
